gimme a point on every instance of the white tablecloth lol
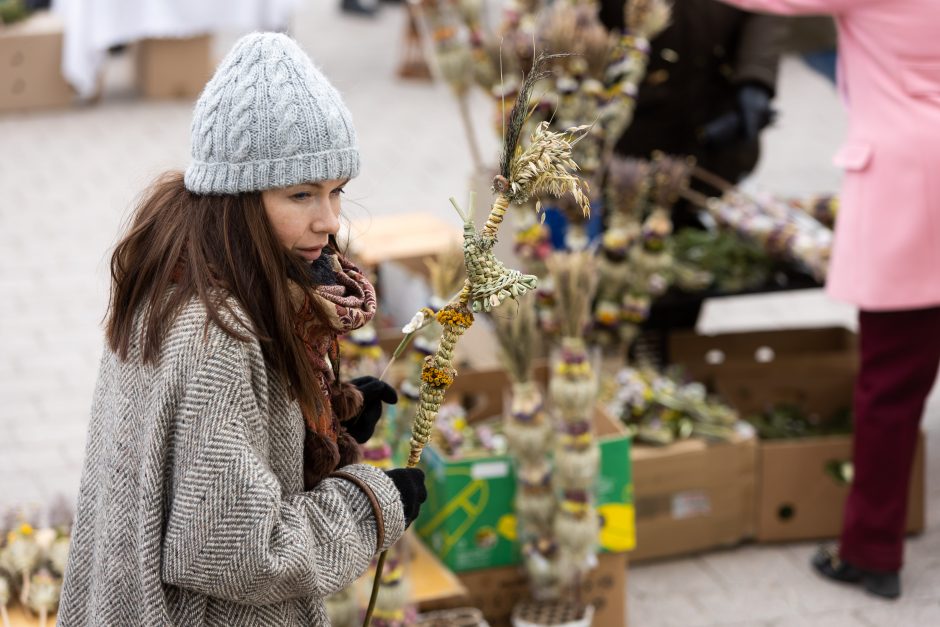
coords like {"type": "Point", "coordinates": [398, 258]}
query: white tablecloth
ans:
{"type": "Point", "coordinates": [93, 26]}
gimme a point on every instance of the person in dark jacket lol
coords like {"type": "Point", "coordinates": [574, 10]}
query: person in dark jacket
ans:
{"type": "Point", "coordinates": [708, 89]}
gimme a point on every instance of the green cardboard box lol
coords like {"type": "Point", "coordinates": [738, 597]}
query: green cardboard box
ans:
{"type": "Point", "coordinates": [468, 519]}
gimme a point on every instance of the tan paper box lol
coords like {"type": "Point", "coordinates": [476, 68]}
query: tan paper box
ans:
{"type": "Point", "coordinates": [174, 68]}
{"type": "Point", "coordinates": [798, 500]}
{"type": "Point", "coordinates": [496, 590]}
{"type": "Point", "coordinates": [31, 58]}
{"type": "Point", "coordinates": [692, 496]}
{"type": "Point", "coordinates": [812, 368]}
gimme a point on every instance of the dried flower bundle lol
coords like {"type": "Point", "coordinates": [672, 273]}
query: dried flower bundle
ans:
{"type": "Point", "coordinates": [518, 338]}
{"type": "Point", "coordinates": [575, 279]}
{"type": "Point", "coordinates": [660, 408]}
{"type": "Point", "coordinates": [573, 391]}
{"type": "Point", "coordinates": [33, 559]}
{"type": "Point", "coordinates": [543, 167]}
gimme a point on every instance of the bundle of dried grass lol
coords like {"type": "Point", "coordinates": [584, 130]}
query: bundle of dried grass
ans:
{"type": "Point", "coordinates": [519, 339]}
{"type": "Point", "coordinates": [627, 187]}
{"type": "Point", "coordinates": [574, 276]}
{"type": "Point", "coordinates": [574, 28]}
{"type": "Point", "coordinates": [671, 176]}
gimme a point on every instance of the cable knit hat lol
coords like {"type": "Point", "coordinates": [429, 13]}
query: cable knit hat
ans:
{"type": "Point", "coordinates": [268, 118]}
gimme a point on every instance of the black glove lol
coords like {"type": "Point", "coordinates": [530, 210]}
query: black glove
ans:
{"type": "Point", "coordinates": [754, 105]}
{"type": "Point", "coordinates": [752, 114]}
{"type": "Point", "coordinates": [374, 393]}
{"type": "Point", "coordinates": [410, 484]}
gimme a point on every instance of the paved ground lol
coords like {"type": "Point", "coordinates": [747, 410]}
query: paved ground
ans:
{"type": "Point", "coordinates": [68, 178]}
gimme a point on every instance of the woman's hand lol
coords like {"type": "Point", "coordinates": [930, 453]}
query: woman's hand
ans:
{"type": "Point", "coordinates": [410, 484]}
{"type": "Point", "coordinates": [374, 393]}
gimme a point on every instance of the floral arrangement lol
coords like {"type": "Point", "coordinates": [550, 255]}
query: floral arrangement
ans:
{"type": "Point", "coordinates": [33, 560]}
{"type": "Point", "coordinates": [660, 408]}
{"type": "Point", "coordinates": [543, 167]}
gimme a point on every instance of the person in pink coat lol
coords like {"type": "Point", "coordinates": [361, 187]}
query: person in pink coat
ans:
{"type": "Point", "coordinates": [886, 260]}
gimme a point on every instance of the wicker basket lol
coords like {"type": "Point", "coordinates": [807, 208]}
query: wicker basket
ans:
{"type": "Point", "coordinates": [552, 614]}
{"type": "Point", "coordinates": [459, 617]}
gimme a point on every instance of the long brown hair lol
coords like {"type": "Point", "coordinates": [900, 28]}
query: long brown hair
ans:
{"type": "Point", "coordinates": [182, 245]}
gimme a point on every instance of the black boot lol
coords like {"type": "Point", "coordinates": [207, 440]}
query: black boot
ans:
{"type": "Point", "coordinates": [886, 585]}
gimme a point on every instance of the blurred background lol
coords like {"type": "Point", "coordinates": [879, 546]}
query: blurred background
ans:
{"type": "Point", "coordinates": [96, 98]}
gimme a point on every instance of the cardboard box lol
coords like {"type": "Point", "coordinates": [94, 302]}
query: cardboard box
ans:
{"type": "Point", "coordinates": [798, 500]}
{"type": "Point", "coordinates": [469, 521]}
{"type": "Point", "coordinates": [692, 496]}
{"type": "Point", "coordinates": [812, 368]}
{"type": "Point", "coordinates": [496, 591]}
{"type": "Point", "coordinates": [174, 68]}
{"type": "Point", "coordinates": [31, 58]}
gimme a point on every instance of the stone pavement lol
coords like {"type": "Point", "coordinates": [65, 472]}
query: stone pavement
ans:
{"type": "Point", "coordinates": [68, 178]}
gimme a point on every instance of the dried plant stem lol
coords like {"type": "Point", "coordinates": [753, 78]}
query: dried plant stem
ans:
{"type": "Point", "coordinates": [376, 584]}
{"type": "Point", "coordinates": [471, 133]}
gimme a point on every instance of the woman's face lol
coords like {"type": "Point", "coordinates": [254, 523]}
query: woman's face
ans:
{"type": "Point", "coordinates": [304, 216]}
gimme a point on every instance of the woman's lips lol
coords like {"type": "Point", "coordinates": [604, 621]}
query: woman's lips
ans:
{"type": "Point", "coordinates": [310, 254]}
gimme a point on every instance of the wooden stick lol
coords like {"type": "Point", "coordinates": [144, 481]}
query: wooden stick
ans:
{"type": "Point", "coordinates": [471, 134]}
{"type": "Point", "coordinates": [712, 179]}
{"type": "Point", "coordinates": [695, 197]}
{"type": "Point", "coordinates": [376, 584]}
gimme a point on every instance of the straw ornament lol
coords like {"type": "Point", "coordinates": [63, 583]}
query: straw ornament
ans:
{"type": "Point", "coordinates": [543, 167]}
{"type": "Point", "coordinates": [43, 597]}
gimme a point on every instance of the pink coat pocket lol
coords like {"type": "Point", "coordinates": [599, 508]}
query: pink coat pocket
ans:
{"type": "Point", "coordinates": [853, 156]}
{"type": "Point", "coordinates": [921, 79]}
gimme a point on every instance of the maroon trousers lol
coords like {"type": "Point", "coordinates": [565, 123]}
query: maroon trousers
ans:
{"type": "Point", "coordinates": [900, 354]}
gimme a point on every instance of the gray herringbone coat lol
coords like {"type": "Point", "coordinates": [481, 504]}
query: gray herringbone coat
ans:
{"type": "Point", "coordinates": [192, 509]}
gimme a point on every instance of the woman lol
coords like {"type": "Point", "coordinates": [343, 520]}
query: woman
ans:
{"type": "Point", "coordinates": [220, 485]}
{"type": "Point", "coordinates": [885, 261]}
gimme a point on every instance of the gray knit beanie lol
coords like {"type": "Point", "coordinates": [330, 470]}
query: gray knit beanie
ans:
{"type": "Point", "coordinates": [268, 118]}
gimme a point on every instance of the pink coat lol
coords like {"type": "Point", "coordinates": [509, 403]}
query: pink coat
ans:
{"type": "Point", "coordinates": [887, 242]}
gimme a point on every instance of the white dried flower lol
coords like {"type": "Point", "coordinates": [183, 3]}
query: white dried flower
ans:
{"type": "Point", "coordinates": [419, 321]}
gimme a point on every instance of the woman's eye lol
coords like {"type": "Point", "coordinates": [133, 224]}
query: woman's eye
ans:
{"type": "Point", "coordinates": [300, 196]}
{"type": "Point", "coordinates": [337, 192]}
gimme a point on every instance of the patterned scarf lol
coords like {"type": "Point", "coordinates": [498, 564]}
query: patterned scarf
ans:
{"type": "Point", "coordinates": [347, 299]}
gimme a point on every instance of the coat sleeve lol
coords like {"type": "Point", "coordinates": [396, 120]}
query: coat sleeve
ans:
{"type": "Point", "coordinates": [231, 531]}
{"type": "Point", "coordinates": [759, 47]}
{"type": "Point", "coordinates": [801, 7]}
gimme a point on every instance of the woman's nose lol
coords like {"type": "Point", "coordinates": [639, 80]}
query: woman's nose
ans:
{"type": "Point", "coordinates": [328, 223]}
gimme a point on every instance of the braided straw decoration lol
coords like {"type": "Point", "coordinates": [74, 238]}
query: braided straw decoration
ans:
{"type": "Point", "coordinates": [543, 167]}
{"type": "Point", "coordinates": [437, 375]}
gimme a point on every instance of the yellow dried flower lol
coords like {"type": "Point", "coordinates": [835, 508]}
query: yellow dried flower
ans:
{"type": "Point", "coordinates": [452, 316]}
{"type": "Point", "coordinates": [436, 377]}
{"type": "Point", "coordinates": [575, 508]}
